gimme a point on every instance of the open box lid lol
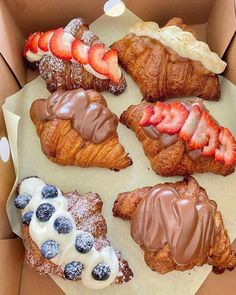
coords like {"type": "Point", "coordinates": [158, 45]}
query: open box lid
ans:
{"type": "Point", "coordinates": [19, 17]}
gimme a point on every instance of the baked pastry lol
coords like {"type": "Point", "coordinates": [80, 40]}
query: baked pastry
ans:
{"type": "Point", "coordinates": [169, 62]}
{"type": "Point", "coordinates": [74, 57]}
{"type": "Point", "coordinates": [65, 235]}
{"type": "Point", "coordinates": [76, 128]}
{"type": "Point", "coordinates": [177, 226]}
{"type": "Point", "coordinates": [181, 138]}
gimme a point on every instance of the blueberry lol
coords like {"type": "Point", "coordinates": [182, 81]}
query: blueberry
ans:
{"type": "Point", "coordinates": [45, 211]}
{"type": "Point", "coordinates": [84, 242]}
{"type": "Point", "coordinates": [49, 249]}
{"type": "Point", "coordinates": [49, 192]}
{"type": "Point", "coordinates": [101, 272]}
{"type": "Point", "coordinates": [63, 225]}
{"type": "Point", "coordinates": [21, 201]}
{"type": "Point", "coordinates": [73, 270]}
{"type": "Point", "coordinates": [26, 218]}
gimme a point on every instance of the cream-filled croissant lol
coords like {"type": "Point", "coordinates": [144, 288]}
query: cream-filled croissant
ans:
{"type": "Point", "coordinates": [77, 128]}
{"type": "Point", "coordinates": [74, 57]}
{"type": "Point", "coordinates": [169, 62]}
{"type": "Point", "coordinates": [181, 138]}
{"type": "Point", "coordinates": [65, 235]}
{"type": "Point", "coordinates": [177, 226]}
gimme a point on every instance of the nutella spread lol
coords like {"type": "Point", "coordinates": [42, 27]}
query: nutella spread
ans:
{"type": "Point", "coordinates": [164, 217]}
{"type": "Point", "coordinates": [92, 120]}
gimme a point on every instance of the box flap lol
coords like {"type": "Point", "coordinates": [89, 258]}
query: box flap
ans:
{"type": "Point", "coordinates": [32, 280]}
{"type": "Point", "coordinates": [11, 44]}
{"type": "Point", "coordinates": [8, 86]}
{"type": "Point", "coordinates": [220, 30]}
{"type": "Point", "coordinates": [192, 12]}
{"type": "Point", "coordinates": [12, 255]}
{"type": "Point", "coordinates": [219, 284]}
{"type": "Point", "coordinates": [36, 15]}
{"type": "Point", "coordinates": [230, 58]}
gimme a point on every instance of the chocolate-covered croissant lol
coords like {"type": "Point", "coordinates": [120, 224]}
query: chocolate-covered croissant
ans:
{"type": "Point", "coordinates": [177, 226]}
{"type": "Point", "coordinates": [77, 128]}
{"type": "Point", "coordinates": [65, 235]}
{"type": "Point", "coordinates": [169, 62]}
{"type": "Point", "coordinates": [181, 138]}
{"type": "Point", "coordinates": [73, 58]}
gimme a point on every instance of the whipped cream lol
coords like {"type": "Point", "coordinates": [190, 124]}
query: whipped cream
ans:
{"type": "Point", "coordinates": [43, 231]}
{"type": "Point", "coordinates": [183, 43]}
{"type": "Point", "coordinates": [89, 69]}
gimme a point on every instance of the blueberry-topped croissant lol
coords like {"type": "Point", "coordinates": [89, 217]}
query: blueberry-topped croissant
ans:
{"type": "Point", "coordinates": [65, 235]}
{"type": "Point", "coordinates": [74, 57]}
{"type": "Point", "coordinates": [77, 128]}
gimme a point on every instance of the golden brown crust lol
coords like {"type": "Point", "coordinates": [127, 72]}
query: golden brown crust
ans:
{"type": "Point", "coordinates": [64, 146]}
{"type": "Point", "coordinates": [172, 160]}
{"type": "Point", "coordinates": [221, 256]}
{"type": "Point", "coordinates": [88, 209]}
{"type": "Point", "coordinates": [161, 73]}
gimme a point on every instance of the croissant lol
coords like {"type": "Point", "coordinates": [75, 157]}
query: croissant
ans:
{"type": "Point", "coordinates": [181, 138]}
{"type": "Point", "coordinates": [76, 128]}
{"type": "Point", "coordinates": [65, 235]}
{"type": "Point", "coordinates": [169, 62]}
{"type": "Point", "coordinates": [177, 226]}
{"type": "Point", "coordinates": [73, 58]}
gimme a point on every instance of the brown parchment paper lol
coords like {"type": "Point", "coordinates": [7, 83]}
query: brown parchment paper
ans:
{"type": "Point", "coordinates": [29, 160]}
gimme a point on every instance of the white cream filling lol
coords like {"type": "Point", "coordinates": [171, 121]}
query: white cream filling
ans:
{"type": "Point", "coordinates": [89, 69]}
{"type": "Point", "coordinates": [183, 43]}
{"type": "Point", "coordinates": [43, 231]}
{"type": "Point", "coordinates": [33, 57]}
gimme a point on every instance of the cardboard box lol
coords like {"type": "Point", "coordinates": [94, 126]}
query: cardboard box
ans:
{"type": "Point", "coordinates": [214, 21]}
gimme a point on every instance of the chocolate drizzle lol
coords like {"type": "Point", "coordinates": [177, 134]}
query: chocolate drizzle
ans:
{"type": "Point", "coordinates": [92, 120]}
{"type": "Point", "coordinates": [186, 225]}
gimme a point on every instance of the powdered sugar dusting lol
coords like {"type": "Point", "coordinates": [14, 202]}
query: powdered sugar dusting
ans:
{"type": "Point", "coordinates": [86, 212]}
{"type": "Point", "coordinates": [73, 26]}
{"type": "Point", "coordinates": [118, 88]}
{"type": "Point", "coordinates": [90, 38]}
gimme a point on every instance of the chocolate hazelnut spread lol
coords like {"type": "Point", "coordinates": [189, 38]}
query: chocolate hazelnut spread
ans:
{"type": "Point", "coordinates": [92, 120]}
{"type": "Point", "coordinates": [164, 217]}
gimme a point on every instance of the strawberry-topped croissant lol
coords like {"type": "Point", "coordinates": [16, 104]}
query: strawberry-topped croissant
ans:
{"type": "Point", "coordinates": [77, 128]}
{"type": "Point", "coordinates": [74, 57]}
{"type": "Point", "coordinates": [169, 62]}
{"type": "Point", "coordinates": [182, 138]}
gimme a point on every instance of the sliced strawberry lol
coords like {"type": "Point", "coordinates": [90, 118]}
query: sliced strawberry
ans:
{"type": "Point", "coordinates": [95, 57]}
{"type": "Point", "coordinates": [227, 150]}
{"type": "Point", "coordinates": [174, 116]}
{"type": "Point", "coordinates": [206, 135]}
{"type": "Point", "coordinates": [111, 58]}
{"type": "Point", "coordinates": [80, 51]}
{"type": "Point", "coordinates": [60, 44]}
{"type": "Point", "coordinates": [191, 123]}
{"type": "Point", "coordinates": [27, 43]}
{"type": "Point", "coordinates": [33, 43]}
{"type": "Point", "coordinates": [157, 116]}
{"type": "Point", "coordinates": [148, 112]}
{"type": "Point", "coordinates": [45, 39]}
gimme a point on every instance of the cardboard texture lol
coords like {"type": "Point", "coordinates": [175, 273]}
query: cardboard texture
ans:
{"type": "Point", "coordinates": [10, 266]}
{"type": "Point", "coordinates": [19, 17]}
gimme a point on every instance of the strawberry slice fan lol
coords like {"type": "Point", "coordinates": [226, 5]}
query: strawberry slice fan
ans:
{"type": "Point", "coordinates": [182, 138]}
{"type": "Point", "coordinates": [74, 57]}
